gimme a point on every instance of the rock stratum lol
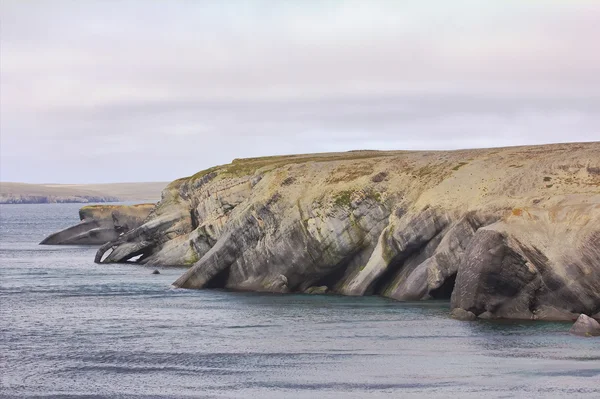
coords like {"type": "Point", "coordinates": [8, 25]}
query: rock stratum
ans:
{"type": "Point", "coordinates": [505, 232]}
{"type": "Point", "coordinates": [101, 224]}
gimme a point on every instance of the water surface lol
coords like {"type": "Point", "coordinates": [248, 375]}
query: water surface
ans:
{"type": "Point", "coordinates": [72, 328]}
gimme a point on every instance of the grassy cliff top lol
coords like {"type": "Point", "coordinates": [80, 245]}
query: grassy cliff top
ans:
{"type": "Point", "coordinates": [458, 178]}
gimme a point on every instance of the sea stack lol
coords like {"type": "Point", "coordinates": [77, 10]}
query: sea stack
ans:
{"type": "Point", "coordinates": [586, 326]}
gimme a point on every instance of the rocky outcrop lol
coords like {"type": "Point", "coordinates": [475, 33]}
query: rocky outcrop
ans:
{"type": "Point", "coordinates": [503, 233]}
{"type": "Point", "coordinates": [101, 224]}
{"type": "Point", "coordinates": [586, 326]}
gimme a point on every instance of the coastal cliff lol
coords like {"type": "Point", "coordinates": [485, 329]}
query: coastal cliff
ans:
{"type": "Point", "coordinates": [505, 232]}
{"type": "Point", "coordinates": [101, 224]}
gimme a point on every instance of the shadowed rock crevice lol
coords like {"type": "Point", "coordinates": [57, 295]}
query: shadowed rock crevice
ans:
{"type": "Point", "coordinates": [334, 278]}
{"type": "Point", "coordinates": [219, 280]}
{"type": "Point", "coordinates": [445, 290]}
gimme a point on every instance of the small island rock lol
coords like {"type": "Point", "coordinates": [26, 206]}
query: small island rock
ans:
{"type": "Point", "coordinates": [586, 326]}
{"type": "Point", "coordinates": [461, 314]}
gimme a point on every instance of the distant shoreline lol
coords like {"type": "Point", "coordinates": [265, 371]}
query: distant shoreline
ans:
{"type": "Point", "coordinates": [16, 200]}
{"type": "Point", "coordinates": [23, 193]}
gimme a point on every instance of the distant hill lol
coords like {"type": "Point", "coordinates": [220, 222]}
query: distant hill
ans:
{"type": "Point", "coordinates": [23, 193]}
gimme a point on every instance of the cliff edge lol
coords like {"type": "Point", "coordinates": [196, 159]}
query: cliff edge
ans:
{"type": "Point", "coordinates": [505, 232]}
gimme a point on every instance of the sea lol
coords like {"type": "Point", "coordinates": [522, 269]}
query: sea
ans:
{"type": "Point", "coordinates": [71, 328]}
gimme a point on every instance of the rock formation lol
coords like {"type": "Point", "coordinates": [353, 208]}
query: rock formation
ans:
{"type": "Point", "coordinates": [586, 326]}
{"type": "Point", "coordinates": [505, 233]}
{"type": "Point", "coordinates": [101, 224]}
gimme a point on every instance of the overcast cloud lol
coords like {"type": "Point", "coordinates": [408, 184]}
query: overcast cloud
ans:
{"type": "Point", "coordinates": [107, 91]}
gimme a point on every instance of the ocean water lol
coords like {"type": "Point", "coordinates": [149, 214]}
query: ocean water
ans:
{"type": "Point", "coordinates": [71, 328]}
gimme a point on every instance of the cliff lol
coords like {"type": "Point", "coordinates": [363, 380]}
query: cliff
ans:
{"type": "Point", "coordinates": [101, 224]}
{"type": "Point", "coordinates": [505, 232]}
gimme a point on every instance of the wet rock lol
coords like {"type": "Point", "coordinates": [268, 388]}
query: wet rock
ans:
{"type": "Point", "coordinates": [155, 271]}
{"type": "Point", "coordinates": [461, 314]}
{"type": "Point", "coordinates": [585, 326]}
{"type": "Point", "coordinates": [486, 316]}
{"type": "Point", "coordinates": [316, 290]}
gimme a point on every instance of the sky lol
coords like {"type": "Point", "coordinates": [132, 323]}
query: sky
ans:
{"type": "Point", "coordinates": [149, 90]}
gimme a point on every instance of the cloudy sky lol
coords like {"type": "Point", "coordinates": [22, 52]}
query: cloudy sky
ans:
{"type": "Point", "coordinates": [108, 91]}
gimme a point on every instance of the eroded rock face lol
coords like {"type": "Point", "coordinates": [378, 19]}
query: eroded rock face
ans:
{"type": "Point", "coordinates": [507, 233]}
{"type": "Point", "coordinates": [101, 224]}
{"type": "Point", "coordinates": [586, 326]}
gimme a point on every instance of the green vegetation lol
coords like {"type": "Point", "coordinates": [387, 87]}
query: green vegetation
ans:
{"type": "Point", "coordinates": [387, 252]}
{"type": "Point", "coordinates": [346, 173]}
{"type": "Point", "coordinates": [547, 178]}
{"type": "Point", "coordinates": [249, 166]}
{"type": "Point", "coordinates": [194, 257]}
{"type": "Point", "coordinates": [376, 196]}
{"type": "Point", "coordinates": [460, 165]}
{"type": "Point", "coordinates": [343, 198]}
{"type": "Point", "coordinates": [202, 173]}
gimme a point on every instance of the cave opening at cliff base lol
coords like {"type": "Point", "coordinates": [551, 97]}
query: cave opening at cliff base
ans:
{"type": "Point", "coordinates": [444, 291]}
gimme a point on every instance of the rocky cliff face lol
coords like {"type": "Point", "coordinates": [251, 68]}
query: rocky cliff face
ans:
{"type": "Point", "coordinates": [101, 224]}
{"type": "Point", "coordinates": [504, 233]}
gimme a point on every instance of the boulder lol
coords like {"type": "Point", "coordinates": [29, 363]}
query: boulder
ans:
{"type": "Point", "coordinates": [585, 326]}
{"type": "Point", "coordinates": [461, 314]}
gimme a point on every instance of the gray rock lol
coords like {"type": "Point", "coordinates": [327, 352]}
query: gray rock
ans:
{"type": "Point", "coordinates": [485, 316]}
{"type": "Point", "coordinates": [101, 224]}
{"type": "Point", "coordinates": [461, 314]}
{"type": "Point", "coordinates": [155, 271]}
{"type": "Point", "coordinates": [585, 326]}
{"type": "Point", "coordinates": [88, 232]}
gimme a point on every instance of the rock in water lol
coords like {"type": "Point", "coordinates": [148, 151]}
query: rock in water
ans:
{"type": "Point", "coordinates": [503, 232]}
{"type": "Point", "coordinates": [155, 271]}
{"type": "Point", "coordinates": [586, 326]}
{"type": "Point", "coordinates": [101, 224]}
{"type": "Point", "coordinates": [316, 290]}
{"type": "Point", "coordinates": [461, 314]}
